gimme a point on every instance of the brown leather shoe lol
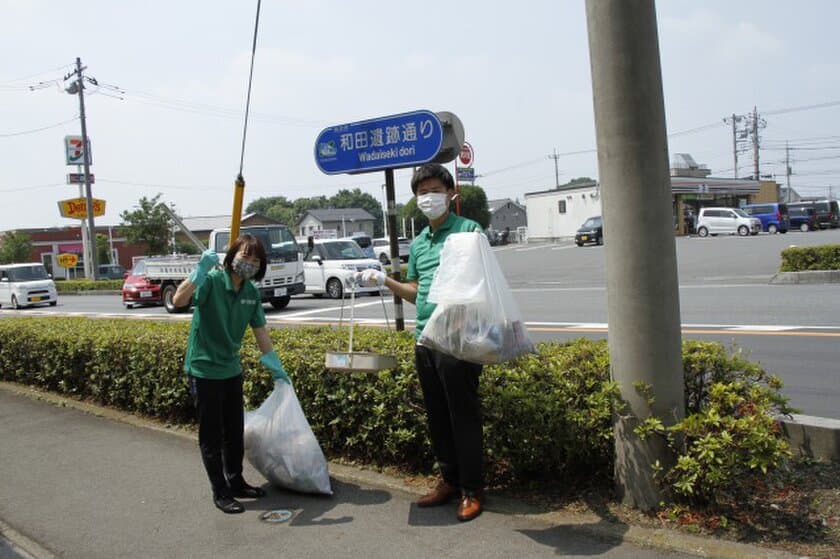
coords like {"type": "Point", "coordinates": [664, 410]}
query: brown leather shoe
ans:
{"type": "Point", "coordinates": [440, 495]}
{"type": "Point", "coordinates": [470, 506]}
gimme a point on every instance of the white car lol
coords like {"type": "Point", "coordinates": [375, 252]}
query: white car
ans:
{"type": "Point", "coordinates": [729, 221]}
{"type": "Point", "coordinates": [382, 249]}
{"type": "Point", "coordinates": [329, 268]}
{"type": "Point", "coordinates": [23, 285]}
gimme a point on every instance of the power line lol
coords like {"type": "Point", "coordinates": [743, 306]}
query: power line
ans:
{"type": "Point", "coordinates": [802, 108]}
{"type": "Point", "coordinates": [32, 131]}
{"type": "Point", "coordinates": [30, 76]}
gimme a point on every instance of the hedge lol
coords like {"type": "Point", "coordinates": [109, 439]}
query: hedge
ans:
{"type": "Point", "coordinates": [799, 259]}
{"type": "Point", "coordinates": [73, 286]}
{"type": "Point", "coordinates": [547, 416]}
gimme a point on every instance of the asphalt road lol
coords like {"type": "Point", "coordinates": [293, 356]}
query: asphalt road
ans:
{"type": "Point", "coordinates": [792, 330]}
{"type": "Point", "coordinates": [83, 486]}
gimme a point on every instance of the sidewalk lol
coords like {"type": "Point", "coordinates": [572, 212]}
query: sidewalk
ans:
{"type": "Point", "coordinates": [78, 484]}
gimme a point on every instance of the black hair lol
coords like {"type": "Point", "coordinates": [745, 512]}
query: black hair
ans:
{"type": "Point", "coordinates": [252, 247]}
{"type": "Point", "coordinates": [432, 171]}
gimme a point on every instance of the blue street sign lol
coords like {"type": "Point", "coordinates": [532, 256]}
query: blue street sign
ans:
{"type": "Point", "coordinates": [390, 142]}
{"type": "Point", "coordinates": [466, 174]}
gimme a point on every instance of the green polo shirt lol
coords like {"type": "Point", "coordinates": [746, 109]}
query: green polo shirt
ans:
{"type": "Point", "coordinates": [424, 259]}
{"type": "Point", "coordinates": [218, 325]}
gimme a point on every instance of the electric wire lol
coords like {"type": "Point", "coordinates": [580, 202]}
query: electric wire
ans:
{"type": "Point", "coordinates": [34, 130]}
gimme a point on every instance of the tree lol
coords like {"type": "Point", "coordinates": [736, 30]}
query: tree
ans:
{"type": "Point", "coordinates": [148, 224]}
{"type": "Point", "coordinates": [103, 249]}
{"type": "Point", "coordinates": [579, 180]}
{"type": "Point", "coordinates": [15, 246]}
{"type": "Point", "coordinates": [473, 206]}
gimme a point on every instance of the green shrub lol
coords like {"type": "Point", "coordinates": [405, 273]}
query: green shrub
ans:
{"type": "Point", "coordinates": [729, 433]}
{"type": "Point", "coordinates": [799, 259]}
{"type": "Point", "coordinates": [547, 416]}
{"type": "Point", "coordinates": [73, 286]}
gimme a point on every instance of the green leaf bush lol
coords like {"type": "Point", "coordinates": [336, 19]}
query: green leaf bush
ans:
{"type": "Point", "coordinates": [73, 286]}
{"type": "Point", "coordinates": [547, 416]}
{"type": "Point", "coordinates": [800, 259]}
{"type": "Point", "coordinates": [729, 435]}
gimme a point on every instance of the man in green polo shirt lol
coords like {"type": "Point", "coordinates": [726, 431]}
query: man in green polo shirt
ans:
{"type": "Point", "coordinates": [450, 386]}
{"type": "Point", "coordinates": [226, 302]}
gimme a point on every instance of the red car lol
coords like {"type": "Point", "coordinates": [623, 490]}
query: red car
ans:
{"type": "Point", "coordinates": [137, 289]}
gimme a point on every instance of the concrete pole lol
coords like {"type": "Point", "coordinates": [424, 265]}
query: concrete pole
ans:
{"type": "Point", "coordinates": [86, 163]}
{"type": "Point", "coordinates": [642, 287]}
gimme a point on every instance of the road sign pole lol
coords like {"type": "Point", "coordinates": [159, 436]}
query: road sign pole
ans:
{"type": "Point", "coordinates": [390, 198]}
{"type": "Point", "coordinates": [457, 190]}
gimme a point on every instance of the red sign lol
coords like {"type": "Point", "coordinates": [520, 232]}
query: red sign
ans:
{"type": "Point", "coordinates": [466, 155]}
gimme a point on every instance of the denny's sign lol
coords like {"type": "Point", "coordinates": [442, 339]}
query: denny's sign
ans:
{"type": "Point", "coordinates": [77, 208]}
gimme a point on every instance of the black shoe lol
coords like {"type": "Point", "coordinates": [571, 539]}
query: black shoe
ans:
{"type": "Point", "coordinates": [228, 504]}
{"type": "Point", "coordinates": [239, 488]}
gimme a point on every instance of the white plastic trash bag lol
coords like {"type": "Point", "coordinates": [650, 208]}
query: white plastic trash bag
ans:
{"type": "Point", "coordinates": [280, 444]}
{"type": "Point", "coordinates": [476, 318]}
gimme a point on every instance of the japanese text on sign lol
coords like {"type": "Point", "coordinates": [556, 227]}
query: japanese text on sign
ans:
{"type": "Point", "coordinates": [396, 141]}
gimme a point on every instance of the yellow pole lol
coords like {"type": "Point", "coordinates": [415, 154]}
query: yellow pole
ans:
{"type": "Point", "coordinates": [236, 216]}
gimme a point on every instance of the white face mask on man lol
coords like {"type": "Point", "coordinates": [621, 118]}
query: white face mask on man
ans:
{"type": "Point", "coordinates": [433, 205]}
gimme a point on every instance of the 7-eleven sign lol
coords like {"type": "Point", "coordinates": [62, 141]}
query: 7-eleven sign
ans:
{"type": "Point", "coordinates": [74, 152]}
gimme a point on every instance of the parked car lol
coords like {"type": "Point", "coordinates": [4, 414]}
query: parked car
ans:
{"type": "Point", "coordinates": [382, 249]}
{"type": "Point", "coordinates": [774, 217]}
{"type": "Point", "coordinates": [138, 289]}
{"type": "Point", "coordinates": [365, 243]}
{"type": "Point", "coordinates": [729, 221]}
{"type": "Point", "coordinates": [826, 212]}
{"type": "Point", "coordinates": [803, 217]}
{"type": "Point", "coordinates": [330, 265]}
{"type": "Point", "coordinates": [23, 285]}
{"type": "Point", "coordinates": [592, 231]}
{"type": "Point", "coordinates": [111, 271]}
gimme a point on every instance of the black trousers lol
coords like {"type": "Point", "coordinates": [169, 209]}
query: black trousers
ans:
{"type": "Point", "coordinates": [453, 411]}
{"type": "Point", "coordinates": [220, 428]}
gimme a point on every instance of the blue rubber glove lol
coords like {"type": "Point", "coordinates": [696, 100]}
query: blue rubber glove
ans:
{"type": "Point", "coordinates": [273, 364]}
{"type": "Point", "coordinates": [208, 261]}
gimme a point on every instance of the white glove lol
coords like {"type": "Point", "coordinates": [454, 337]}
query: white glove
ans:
{"type": "Point", "coordinates": [370, 278]}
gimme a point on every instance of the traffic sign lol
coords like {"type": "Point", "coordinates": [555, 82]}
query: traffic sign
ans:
{"type": "Point", "coordinates": [466, 174]}
{"type": "Point", "coordinates": [466, 155]}
{"type": "Point", "coordinates": [79, 178]}
{"type": "Point", "coordinates": [77, 208]}
{"type": "Point", "coordinates": [390, 142]}
{"type": "Point", "coordinates": [67, 260]}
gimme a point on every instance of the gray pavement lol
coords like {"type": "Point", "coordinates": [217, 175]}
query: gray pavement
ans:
{"type": "Point", "coordinates": [78, 484]}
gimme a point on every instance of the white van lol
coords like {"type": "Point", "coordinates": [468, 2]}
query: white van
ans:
{"type": "Point", "coordinates": [331, 264]}
{"type": "Point", "coordinates": [22, 285]}
{"type": "Point", "coordinates": [731, 221]}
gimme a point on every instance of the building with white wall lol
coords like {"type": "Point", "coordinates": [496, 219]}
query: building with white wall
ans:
{"type": "Point", "coordinates": [557, 213]}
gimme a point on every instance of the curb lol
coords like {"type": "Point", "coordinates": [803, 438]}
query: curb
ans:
{"type": "Point", "coordinates": [587, 523]}
{"type": "Point", "coordinates": [806, 277]}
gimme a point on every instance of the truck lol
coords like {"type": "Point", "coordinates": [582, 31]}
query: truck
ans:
{"type": "Point", "coordinates": [156, 278]}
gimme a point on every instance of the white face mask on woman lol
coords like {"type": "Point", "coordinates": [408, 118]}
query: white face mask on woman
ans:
{"type": "Point", "coordinates": [433, 205]}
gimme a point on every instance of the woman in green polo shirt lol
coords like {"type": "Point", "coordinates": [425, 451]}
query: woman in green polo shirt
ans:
{"type": "Point", "coordinates": [226, 302]}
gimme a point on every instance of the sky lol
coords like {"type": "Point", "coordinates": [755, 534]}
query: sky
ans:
{"type": "Point", "coordinates": [167, 116]}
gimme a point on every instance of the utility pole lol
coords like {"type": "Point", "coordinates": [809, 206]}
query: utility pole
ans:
{"type": "Point", "coordinates": [555, 156]}
{"type": "Point", "coordinates": [755, 142]}
{"type": "Point", "coordinates": [734, 119]}
{"type": "Point", "coordinates": [79, 88]}
{"type": "Point", "coordinates": [787, 170]}
{"type": "Point", "coordinates": [642, 289]}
